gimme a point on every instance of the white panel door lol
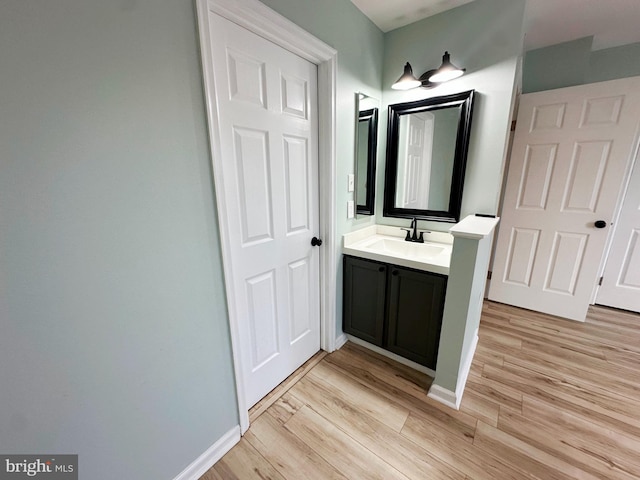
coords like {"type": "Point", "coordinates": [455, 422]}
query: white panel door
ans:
{"type": "Point", "coordinates": [267, 111]}
{"type": "Point", "coordinates": [416, 150]}
{"type": "Point", "coordinates": [571, 152]}
{"type": "Point", "coordinates": [621, 280]}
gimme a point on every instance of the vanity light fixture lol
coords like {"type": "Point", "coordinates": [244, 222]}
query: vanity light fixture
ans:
{"type": "Point", "coordinates": [447, 71]}
{"type": "Point", "coordinates": [406, 81]}
{"type": "Point", "coordinates": [429, 79]}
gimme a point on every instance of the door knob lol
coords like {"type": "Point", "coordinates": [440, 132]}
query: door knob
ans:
{"type": "Point", "coordinates": [316, 242]}
{"type": "Point", "coordinates": [600, 224]}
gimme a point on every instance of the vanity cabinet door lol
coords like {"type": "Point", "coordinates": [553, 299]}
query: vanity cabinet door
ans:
{"type": "Point", "coordinates": [416, 305]}
{"type": "Point", "coordinates": [364, 299]}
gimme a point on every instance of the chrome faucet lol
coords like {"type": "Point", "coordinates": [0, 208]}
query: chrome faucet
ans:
{"type": "Point", "coordinates": [412, 232]}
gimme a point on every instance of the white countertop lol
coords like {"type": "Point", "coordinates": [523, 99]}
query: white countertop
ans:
{"type": "Point", "coordinates": [432, 256]}
{"type": "Point", "coordinates": [474, 227]}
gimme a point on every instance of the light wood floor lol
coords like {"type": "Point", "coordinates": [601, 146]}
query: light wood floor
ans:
{"type": "Point", "coordinates": [546, 399]}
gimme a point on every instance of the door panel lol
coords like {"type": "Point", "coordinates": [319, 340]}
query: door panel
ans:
{"type": "Point", "coordinates": [522, 251]}
{"type": "Point", "coordinates": [253, 187]}
{"type": "Point", "coordinates": [262, 318]}
{"type": "Point", "coordinates": [586, 171]}
{"type": "Point", "coordinates": [566, 258]}
{"type": "Point", "coordinates": [296, 164]}
{"type": "Point", "coordinates": [571, 151]}
{"type": "Point", "coordinates": [267, 113]}
{"type": "Point", "coordinates": [299, 297]}
{"type": "Point", "coordinates": [536, 176]}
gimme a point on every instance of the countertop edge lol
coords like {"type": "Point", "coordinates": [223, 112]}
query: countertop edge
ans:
{"type": "Point", "coordinates": [474, 227]}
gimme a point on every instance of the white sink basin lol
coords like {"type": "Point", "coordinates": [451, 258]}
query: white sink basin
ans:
{"type": "Point", "coordinates": [387, 244]}
{"type": "Point", "coordinates": [424, 251]}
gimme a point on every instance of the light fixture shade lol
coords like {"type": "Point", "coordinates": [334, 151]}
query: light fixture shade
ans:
{"type": "Point", "coordinates": [447, 71]}
{"type": "Point", "coordinates": [407, 81]}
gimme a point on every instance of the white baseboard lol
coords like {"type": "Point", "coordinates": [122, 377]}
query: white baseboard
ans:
{"type": "Point", "coordinates": [447, 397]}
{"type": "Point", "coordinates": [215, 452]}
{"type": "Point", "coordinates": [442, 395]}
{"type": "Point", "coordinates": [341, 340]}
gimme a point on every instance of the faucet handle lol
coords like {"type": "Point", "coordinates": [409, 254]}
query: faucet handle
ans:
{"type": "Point", "coordinates": [421, 237]}
{"type": "Point", "coordinates": [407, 238]}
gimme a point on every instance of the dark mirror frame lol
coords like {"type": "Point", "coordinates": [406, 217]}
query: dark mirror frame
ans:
{"type": "Point", "coordinates": [371, 117]}
{"type": "Point", "coordinates": [452, 214]}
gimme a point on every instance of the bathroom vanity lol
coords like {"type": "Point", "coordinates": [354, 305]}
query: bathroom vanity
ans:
{"type": "Point", "coordinates": [414, 296]}
{"type": "Point", "coordinates": [394, 291]}
{"type": "Point", "coordinates": [396, 308]}
{"type": "Point", "coordinates": [419, 302]}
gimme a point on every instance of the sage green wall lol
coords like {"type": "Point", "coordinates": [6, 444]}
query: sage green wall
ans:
{"type": "Point", "coordinates": [114, 340]}
{"type": "Point", "coordinates": [613, 63]}
{"type": "Point", "coordinates": [360, 46]}
{"type": "Point", "coordinates": [574, 63]}
{"type": "Point", "coordinates": [557, 66]}
{"type": "Point", "coordinates": [485, 37]}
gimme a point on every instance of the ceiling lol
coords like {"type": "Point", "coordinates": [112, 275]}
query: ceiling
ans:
{"type": "Point", "coordinates": [547, 22]}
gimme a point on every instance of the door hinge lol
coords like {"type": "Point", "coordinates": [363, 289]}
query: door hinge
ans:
{"type": "Point", "coordinates": [489, 275]}
{"type": "Point", "coordinates": [513, 125]}
{"type": "Point", "coordinates": [600, 281]}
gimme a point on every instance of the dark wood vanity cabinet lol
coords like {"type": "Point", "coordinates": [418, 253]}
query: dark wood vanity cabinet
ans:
{"type": "Point", "coordinates": [415, 303]}
{"type": "Point", "coordinates": [396, 308]}
{"type": "Point", "coordinates": [365, 284]}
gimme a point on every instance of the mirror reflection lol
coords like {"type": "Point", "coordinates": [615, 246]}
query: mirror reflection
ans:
{"type": "Point", "coordinates": [426, 149]}
{"type": "Point", "coordinates": [426, 156]}
{"type": "Point", "coordinates": [366, 140]}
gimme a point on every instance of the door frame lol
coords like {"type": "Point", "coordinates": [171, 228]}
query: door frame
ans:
{"type": "Point", "coordinates": [265, 22]}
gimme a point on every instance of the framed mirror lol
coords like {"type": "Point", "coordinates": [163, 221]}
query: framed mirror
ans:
{"type": "Point", "coordinates": [427, 145]}
{"type": "Point", "coordinates": [366, 142]}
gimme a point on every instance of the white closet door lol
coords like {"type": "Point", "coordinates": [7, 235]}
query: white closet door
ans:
{"type": "Point", "coordinates": [572, 149]}
{"type": "Point", "coordinates": [621, 280]}
{"type": "Point", "coordinates": [268, 133]}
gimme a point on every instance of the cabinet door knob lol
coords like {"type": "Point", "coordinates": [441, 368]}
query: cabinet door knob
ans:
{"type": "Point", "coordinates": [381, 269]}
{"type": "Point", "coordinates": [395, 272]}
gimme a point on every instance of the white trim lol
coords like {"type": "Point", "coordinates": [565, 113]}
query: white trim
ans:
{"type": "Point", "coordinates": [447, 397]}
{"type": "Point", "coordinates": [260, 19]}
{"type": "Point", "coordinates": [327, 172]}
{"type": "Point", "coordinates": [444, 396]}
{"type": "Point", "coordinates": [341, 340]}
{"type": "Point", "coordinates": [215, 452]}
{"type": "Point", "coordinates": [391, 355]}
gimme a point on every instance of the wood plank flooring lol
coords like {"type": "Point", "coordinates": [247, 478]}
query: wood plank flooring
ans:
{"type": "Point", "coordinates": [546, 399]}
